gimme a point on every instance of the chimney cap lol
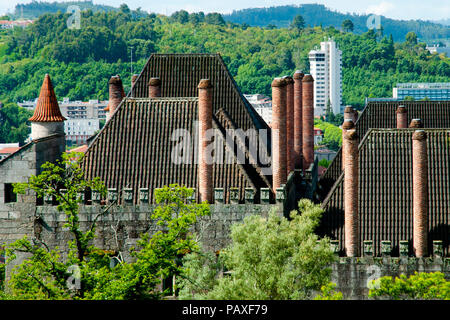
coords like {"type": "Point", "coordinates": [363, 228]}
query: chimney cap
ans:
{"type": "Point", "coordinates": [288, 79]}
{"type": "Point", "coordinates": [348, 124]}
{"type": "Point", "coordinates": [308, 78]}
{"type": "Point", "coordinates": [115, 79]}
{"type": "Point", "coordinates": [416, 123]}
{"type": "Point", "coordinates": [348, 109]}
{"type": "Point", "coordinates": [154, 82]}
{"type": "Point", "coordinates": [351, 135]}
{"type": "Point", "coordinates": [298, 74]}
{"type": "Point", "coordinates": [278, 82]}
{"type": "Point", "coordinates": [205, 84]}
{"type": "Point", "coordinates": [419, 135]}
{"type": "Point", "coordinates": [401, 109]}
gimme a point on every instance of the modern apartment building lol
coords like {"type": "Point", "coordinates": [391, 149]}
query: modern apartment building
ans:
{"type": "Point", "coordinates": [326, 68]}
{"type": "Point", "coordinates": [424, 90]}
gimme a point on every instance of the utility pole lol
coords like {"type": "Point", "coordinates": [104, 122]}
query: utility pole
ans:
{"type": "Point", "coordinates": [131, 61]}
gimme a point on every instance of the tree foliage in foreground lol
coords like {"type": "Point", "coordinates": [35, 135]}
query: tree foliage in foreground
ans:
{"type": "Point", "coordinates": [85, 271]}
{"type": "Point", "coordinates": [423, 286]}
{"type": "Point", "coordinates": [269, 258]}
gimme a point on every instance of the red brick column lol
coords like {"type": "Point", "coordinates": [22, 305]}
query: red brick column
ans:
{"type": "Point", "coordinates": [420, 193]}
{"type": "Point", "coordinates": [115, 93]}
{"type": "Point", "coordinates": [298, 136]}
{"type": "Point", "coordinates": [154, 87]}
{"type": "Point", "coordinates": [351, 190]}
{"type": "Point", "coordinates": [308, 120]}
{"type": "Point", "coordinates": [402, 117]}
{"type": "Point", "coordinates": [278, 133]}
{"type": "Point", "coordinates": [289, 124]}
{"type": "Point", "coordinates": [347, 125]}
{"type": "Point", "coordinates": [205, 123]}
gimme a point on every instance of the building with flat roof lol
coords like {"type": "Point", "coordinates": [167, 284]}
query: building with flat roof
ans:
{"type": "Point", "coordinates": [326, 69]}
{"type": "Point", "coordinates": [439, 91]}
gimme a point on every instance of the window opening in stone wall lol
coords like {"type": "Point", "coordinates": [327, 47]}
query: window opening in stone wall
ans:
{"type": "Point", "coordinates": [10, 195]}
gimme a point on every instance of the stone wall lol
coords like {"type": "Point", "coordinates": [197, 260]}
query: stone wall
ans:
{"type": "Point", "coordinates": [353, 274]}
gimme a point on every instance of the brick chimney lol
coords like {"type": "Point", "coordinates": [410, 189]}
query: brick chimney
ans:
{"type": "Point", "coordinates": [116, 94]}
{"type": "Point", "coordinates": [416, 124]}
{"type": "Point", "coordinates": [347, 125]}
{"type": "Point", "coordinates": [420, 193]}
{"type": "Point", "coordinates": [279, 160]}
{"type": "Point", "coordinates": [205, 169]}
{"type": "Point", "coordinates": [351, 190]}
{"type": "Point", "coordinates": [298, 76]}
{"type": "Point", "coordinates": [154, 87]}
{"type": "Point", "coordinates": [350, 113]}
{"type": "Point", "coordinates": [133, 79]}
{"type": "Point", "coordinates": [308, 120]}
{"type": "Point", "coordinates": [289, 124]}
{"type": "Point", "coordinates": [402, 117]}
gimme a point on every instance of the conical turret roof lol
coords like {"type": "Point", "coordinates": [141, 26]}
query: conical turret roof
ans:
{"type": "Point", "coordinates": [47, 108]}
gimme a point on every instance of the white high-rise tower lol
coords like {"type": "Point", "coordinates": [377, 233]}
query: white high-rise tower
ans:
{"type": "Point", "coordinates": [325, 67]}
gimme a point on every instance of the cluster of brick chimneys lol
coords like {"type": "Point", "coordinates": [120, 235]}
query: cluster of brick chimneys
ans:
{"type": "Point", "coordinates": [350, 166]}
{"type": "Point", "coordinates": [292, 125]}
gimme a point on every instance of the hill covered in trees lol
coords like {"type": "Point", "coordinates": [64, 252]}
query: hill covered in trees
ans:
{"type": "Point", "coordinates": [81, 61]}
{"type": "Point", "coordinates": [319, 15]}
{"type": "Point", "coordinates": [35, 9]}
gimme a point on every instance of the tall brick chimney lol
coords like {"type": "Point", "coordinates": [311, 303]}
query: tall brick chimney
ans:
{"type": "Point", "coordinates": [350, 113]}
{"type": "Point", "coordinates": [402, 117]}
{"type": "Point", "coordinates": [347, 125]}
{"type": "Point", "coordinates": [420, 193]}
{"type": "Point", "coordinates": [308, 120]}
{"type": "Point", "coordinates": [298, 136]}
{"type": "Point", "coordinates": [351, 190]}
{"type": "Point", "coordinates": [416, 124]}
{"type": "Point", "coordinates": [205, 169]}
{"type": "Point", "coordinates": [279, 160]}
{"type": "Point", "coordinates": [154, 87]}
{"type": "Point", "coordinates": [116, 94]}
{"type": "Point", "coordinates": [289, 124]}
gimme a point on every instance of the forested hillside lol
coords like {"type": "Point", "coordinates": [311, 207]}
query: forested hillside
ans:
{"type": "Point", "coordinates": [35, 9]}
{"type": "Point", "coordinates": [81, 62]}
{"type": "Point", "coordinates": [319, 15]}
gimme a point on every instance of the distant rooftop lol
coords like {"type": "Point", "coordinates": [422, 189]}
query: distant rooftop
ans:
{"type": "Point", "coordinates": [424, 85]}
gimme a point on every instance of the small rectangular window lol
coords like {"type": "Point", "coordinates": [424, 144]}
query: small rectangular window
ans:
{"type": "Point", "coordinates": [10, 196]}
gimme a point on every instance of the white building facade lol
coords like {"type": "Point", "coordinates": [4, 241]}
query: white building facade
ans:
{"type": "Point", "coordinates": [326, 69]}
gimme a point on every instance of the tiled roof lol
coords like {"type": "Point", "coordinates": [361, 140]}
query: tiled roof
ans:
{"type": "Point", "coordinates": [47, 108]}
{"type": "Point", "coordinates": [434, 114]}
{"type": "Point", "coordinates": [385, 189]}
{"type": "Point", "coordinates": [82, 148]}
{"type": "Point", "coordinates": [180, 75]}
{"type": "Point", "coordinates": [9, 150]}
{"type": "Point", "coordinates": [134, 149]}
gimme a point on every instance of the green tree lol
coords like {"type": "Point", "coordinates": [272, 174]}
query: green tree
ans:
{"type": "Point", "coordinates": [46, 272]}
{"type": "Point", "coordinates": [268, 258]}
{"type": "Point", "coordinates": [423, 286]}
{"type": "Point", "coordinates": [411, 39]}
{"type": "Point", "coordinates": [347, 25]}
{"type": "Point", "coordinates": [298, 23]}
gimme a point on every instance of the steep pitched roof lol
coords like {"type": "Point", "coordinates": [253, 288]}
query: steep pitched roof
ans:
{"type": "Point", "coordinates": [180, 75]}
{"type": "Point", "coordinates": [434, 114]}
{"type": "Point", "coordinates": [135, 149]}
{"type": "Point", "coordinates": [47, 108]}
{"type": "Point", "coordinates": [385, 196]}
